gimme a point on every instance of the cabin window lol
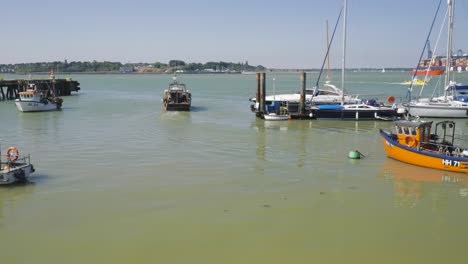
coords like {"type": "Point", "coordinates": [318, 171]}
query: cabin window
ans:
{"type": "Point", "coordinates": [406, 130]}
{"type": "Point", "coordinates": [400, 130]}
{"type": "Point", "coordinates": [413, 131]}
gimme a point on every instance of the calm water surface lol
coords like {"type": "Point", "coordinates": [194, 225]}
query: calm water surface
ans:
{"type": "Point", "coordinates": [119, 181]}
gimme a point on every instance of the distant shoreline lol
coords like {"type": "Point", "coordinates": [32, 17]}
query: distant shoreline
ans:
{"type": "Point", "coordinates": [182, 73]}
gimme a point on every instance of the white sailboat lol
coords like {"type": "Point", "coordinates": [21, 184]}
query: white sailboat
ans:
{"type": "Point", "coordinates": [327, 94]}
{"type": "Point", "coordinates": [447, 106]}
{"type": "Point", "coordinates": [359, 110]}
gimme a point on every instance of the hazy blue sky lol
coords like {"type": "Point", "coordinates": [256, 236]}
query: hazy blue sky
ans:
{"type": "Point", "coordinates": [276, 34]}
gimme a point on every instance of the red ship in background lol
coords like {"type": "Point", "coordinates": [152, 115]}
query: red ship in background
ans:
{"type": "Point", "coordinates": [436, 65]}
{"type": "Point", "coordinates": [428, 71]}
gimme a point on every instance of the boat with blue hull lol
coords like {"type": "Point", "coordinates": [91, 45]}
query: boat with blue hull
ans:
{"type": "Point", "coordinates": [370, 110]}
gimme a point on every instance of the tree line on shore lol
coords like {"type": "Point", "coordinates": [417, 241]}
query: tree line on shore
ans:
{"type": "Point", "coordinates": [107, 66]}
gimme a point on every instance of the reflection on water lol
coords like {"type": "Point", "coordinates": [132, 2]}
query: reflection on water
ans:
{"type": "Point", "coordinates": [412, 184]}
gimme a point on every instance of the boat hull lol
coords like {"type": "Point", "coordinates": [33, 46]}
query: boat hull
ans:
{"type": "Point", "coordinates": [422, 158]}
{"type": "Point", "coordinates": [346, 114]}
{"type": "Point", "coordinates": [176, 107]}
{"type": "Point", "coordinates": [274, 117]}
{"type": "Point", "coordinates": [438, 110]}
{"type": "Point", "coordinates": [15, 174]}
{"type": "Point", "coordinates": [428, 72]}
{"type": "Point", "coordinates": [35, 106]}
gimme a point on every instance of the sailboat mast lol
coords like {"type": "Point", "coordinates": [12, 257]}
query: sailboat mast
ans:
{"type": "Point", "coordinates": [343, 66]}
{"type": "Point", "coordinates": [328, 57]}
{"type": "Point", "coordinates": [448, 61]}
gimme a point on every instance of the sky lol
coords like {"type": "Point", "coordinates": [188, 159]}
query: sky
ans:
{"type": "Point", "coordinates": [276, 34]}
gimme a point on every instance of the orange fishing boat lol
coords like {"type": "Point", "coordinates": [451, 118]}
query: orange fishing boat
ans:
{"type": "Point", "coordinates": [428, 72]}
{"type": "Point", "coordinates": [412, 142]}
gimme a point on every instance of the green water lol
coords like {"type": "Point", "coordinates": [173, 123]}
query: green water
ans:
{"type": "Point", "coordinates": [119, 181]}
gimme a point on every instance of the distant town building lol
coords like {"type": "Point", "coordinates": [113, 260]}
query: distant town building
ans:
{"type": "Point", "coordinates": [127, 69]}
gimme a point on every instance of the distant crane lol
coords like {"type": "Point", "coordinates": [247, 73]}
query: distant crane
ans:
{"type": "Point", "coordinates": [429, 51]}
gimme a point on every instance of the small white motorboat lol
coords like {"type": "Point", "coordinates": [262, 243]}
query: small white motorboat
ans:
{"type": "Point", "coordinates": [33, 100]}
{"type": "Point", "coordinates": [276, 117]}
{"type": "Point", "coordinates": [14, 168]}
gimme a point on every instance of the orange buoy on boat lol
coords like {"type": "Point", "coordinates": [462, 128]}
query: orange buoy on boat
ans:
{"type": "Point", "coordinates": [391, 99]}
{"type": "Point", "coordinates": [410, 141]}
{"type": "Point", "coordinates": [12, 154]}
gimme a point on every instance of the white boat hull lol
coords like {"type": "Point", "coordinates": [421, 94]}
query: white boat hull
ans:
{"type": "Point", "coordinates": [438, 110]}
{"type": "Point", "coordinates": [34, 106]}
{"type": "Point", "coordinates": [275, 117]}
{"type": "Point", "coordinates": [15, 174]}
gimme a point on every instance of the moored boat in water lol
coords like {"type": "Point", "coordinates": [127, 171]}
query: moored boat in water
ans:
{"type": "Point", "coordinates": [275, 117]}
{"type": "Point", "coordinates": [176, 97]}
{"type": "Point", "coordinates": [413, 142]}
{"type": "Point", "coordinates": [360, 109]}
{"type": "Point", "coordinates": [14, 168]}
{"type": "Point", "coordinates": [368, 110]}
{"type": "Point", "coordinates": [415, 81]}
{"type": "Point", "coordinates": [449, 105]}
{"type": "Point", "coordinates": [34, 100]}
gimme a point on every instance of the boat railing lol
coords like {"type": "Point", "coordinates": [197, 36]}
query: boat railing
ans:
{"type": "Point", "coordinates": [21, 160]}
{"type": "Point", "coordinates": [444, 148]}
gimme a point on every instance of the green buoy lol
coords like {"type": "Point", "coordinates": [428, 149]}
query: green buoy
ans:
{"type": "Point", "coordinates": [355, 154]}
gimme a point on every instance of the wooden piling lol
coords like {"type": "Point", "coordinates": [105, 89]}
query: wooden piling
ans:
{"type": "Point", "coordinates": [303, 94]}
{"type": "Point", "coordinates": [262, 92]}
{"type": "Point", "coordinates": [62, 87]}
{"type": "Point", "coordinates": [257, 94]}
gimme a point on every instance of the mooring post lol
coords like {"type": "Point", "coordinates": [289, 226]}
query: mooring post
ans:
{"type": "Point", "coordinates": [262, 92]}
{"type": "Point", "coordinates": [10, 93]}
{"type": "Point", "coordinates": [303, 94]}
{"type": "Point", "coordinates": [257, 95]}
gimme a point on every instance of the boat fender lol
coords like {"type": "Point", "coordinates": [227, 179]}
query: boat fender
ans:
{"type": "Point", "coordinates": [391, 99]}
{"type": "Point", "coordinates": [410, 141]}
{"type": "Point", "coordinates": [12, 154]}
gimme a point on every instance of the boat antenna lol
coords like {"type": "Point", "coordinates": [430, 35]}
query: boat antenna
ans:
{"type": "Point", "coordinates": [410, 88]}
{"type": "Point", "coordinates": [274, 89]}
{"type": "Point", "coordinates": [326, 55]}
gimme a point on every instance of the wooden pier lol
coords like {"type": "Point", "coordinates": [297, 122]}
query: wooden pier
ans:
{"type": "Point", "coordinates": [296, 110]}
{"type": "Point", "coordinates": [9, 89]}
